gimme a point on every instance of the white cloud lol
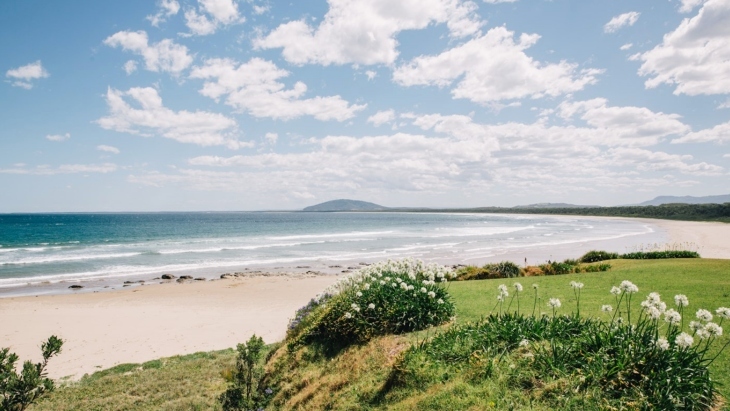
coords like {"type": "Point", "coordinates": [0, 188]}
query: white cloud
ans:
{"type": "Point", "coordinates": [167, 8]}
{"type": "Point", "coordinates": [695, 57]}
{"type": "Point", "coordinates": [130, 67]}
{"type": "Point", "coordinates": [364, 31]}
{"type": "Point", "coordinates": [725, 104]}
{"type": "Point", "coordinates": [622, 20]}
{"type": "Point", "coordinates": [45, 170]}
{"type": "Point", "coordinates": [58, 137]}
{"type": "Point", "coordinates": [24, 75]}
{"type": "Point", "coordinates": [382, 117]}
{"type": "Point", "coordinates": [254, 87]}
{"type": "Point", "coordinates": [499, 1]}
{"type": "Point", "coordinates": [108, 149]}
{"type": "Point", "coordinates": [726, 155]}
{"type": "Point", "coordinates": [718, 134]}
{"type": "Point", "coordinates": [635, 126]}
{"type": "Point", "coordinates": [371, 74]}
{"type": "Point", "coordinates": [626, 46]}
{"type": "Point", "coordinates": [152, 118]}
{"type": "Point", "coordinates": [495, 67]}
{"type": "Point", "coordinates": [271, 138]}
{"type": "Point", "coordinates": [646, 160]}
{"type": "Point", "coordinates": [211, 15]}
{"type": "Point", "coordinates": [260, 9]}
{"type": "Point", "coordinates": [689, 5]}
{"type": "Point", "coordinates": [166, 55]}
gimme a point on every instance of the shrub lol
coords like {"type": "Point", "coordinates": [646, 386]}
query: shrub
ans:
{"type": "Point", "coordinates": [244, 391]}
{"type": "Point", "coordinates": [595, 268]}
{"type": "Point", "coordinates": [391, 297]}
{"type": "Point", "coordinates": [596, 256]}
{"type": "Point", "coordinates": [18, 391]}
{"type": "Point", "coordinates": [532, 271]}
{"type": "Point", "coordinates": [504, 269]}
{"type": "Point", "coordinates": [655, 255]}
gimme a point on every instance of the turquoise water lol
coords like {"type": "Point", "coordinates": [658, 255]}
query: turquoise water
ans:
{"type": "Point", "coordinates": [53, 248]}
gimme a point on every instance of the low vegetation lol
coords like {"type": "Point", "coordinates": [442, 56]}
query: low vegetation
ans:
{"type": "Point", "coordinates": [507, 348]}
{"type": "Point", "coordinates": [18, 390]}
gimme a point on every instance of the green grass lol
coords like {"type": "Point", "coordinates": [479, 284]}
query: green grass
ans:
{"type": "Point", "coordinates": [190, 382]}
{"type": "Point", "coordinates": [355, 379]}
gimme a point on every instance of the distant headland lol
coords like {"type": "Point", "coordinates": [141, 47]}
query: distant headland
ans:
{"type": "Point", "coordinates": [346, 205]}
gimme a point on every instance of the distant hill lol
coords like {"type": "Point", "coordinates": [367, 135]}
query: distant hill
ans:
{"type": "Point", "coordinates": [346, 205]}
{"type": "Point", "coordinates": [721, 199]}
{"type": "Point", "coordinates": [554, 205]}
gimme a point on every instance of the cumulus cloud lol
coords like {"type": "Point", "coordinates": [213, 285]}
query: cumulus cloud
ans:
{"type": "Point", "coordinates": [58, 137]}
{"type": "Point", "coordinates": [271, 138]}
{"type": "Point", "coordinates": [382, 117]}
{"type": "Point", "coordinates": [622, 20]}
{"type": "Point", "coordinates": [165, 56]}
{"type": "Point", "coordinates": [212, 14]}
{"type": "Point", "coordinates": [167, 8]}
{"type": "Point", "coordinates": [23, 76]}
{"type": "Point", "coordinates": [499, 1]}
{"type": "Point", "coordinates": [627, 125]}
{"type": "Point", "coordinates": [626, 46]}
{"type": "Point", "coordinates": [718, 134]}
{"type": "Point", "coordinates": [108, 149]}
{"type": "Point", "coordinates": [646, 160]}
{"type": "Point", "coordinates": [687, 6]}
{"type": "Point", "coordinates": [45, 170]}
{"type": "Point", "coordinates": [130, 67]}
{"type": "Point", "coordinates": [695, 57]}
{"type": "Point", "coordinates": [152, 118]}
{"type": "Point", "coordinates": [254, 87]}
{"type": "Point", "coordinates": [495, 67]}
{"type": "Point", "coordinates": [364, 31]}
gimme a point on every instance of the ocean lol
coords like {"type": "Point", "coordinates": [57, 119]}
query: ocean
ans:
{"type": "Point", "coordinates": [44, 253]}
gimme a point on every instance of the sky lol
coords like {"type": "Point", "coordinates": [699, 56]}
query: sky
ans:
{"type": "Point", "coordinates": [217, 105]}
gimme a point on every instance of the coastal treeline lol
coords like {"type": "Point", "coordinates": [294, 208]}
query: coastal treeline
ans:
{"type": "Point", "coordinates": [685, 212]}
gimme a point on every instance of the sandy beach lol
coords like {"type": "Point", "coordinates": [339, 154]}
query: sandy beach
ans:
{"type": "Point", "coordinates": [142, 323]}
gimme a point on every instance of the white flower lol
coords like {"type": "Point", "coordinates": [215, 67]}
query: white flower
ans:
{"type": "Point", "coordinates": [680, 300]}
{"type": "Point", "coordinates": [535, 286]}
{"type": "Point", "coordinates": [500, 298]}
{"type": "Point", "coordinates": [554, 303]}
{"type": "Point", "coordinates": [702, 334]}
{"type": "Point", "coordinates": [424, 290]}
{"type": "Point", "coordinates": [628, 287]}
{"type": "Point", "coordinates": [653, 298]}
{"type": "Point", "coordinates": [723, 312]}
{"type": "Point", "coordinates": [653, 313]}
{"type": "Point", "coordinates": [359, 294]}
{"type": "Point", "coordinates": [440, 301]}
{"type": "Point", "coordinates": [518, 287]}
{"type": "Point", "coordinates": [382, 282]}
{"type": "Point", "coordinates": [371, 306]}
{"type": "Point", "coordinates": [348, 315]}
{"type": "Point", "coordinates": [606, 308]}
{"type": "Point", "coordinates": [695, 325]}
{"type": "Point", "coordinates": [576, 285]}
{"type": "Point", "coordinates": [354, 306]}
{"type": "Point", "coordinates": [404, 286]}
{"type": "Point", "coordinates": [704, 315]}
{"type": "Point", "coordinates": [524, 343]}
{"type": "Point", "coordinates": [394, 285]}
{"type": "Point", "coordinates": [713, 329]}
{"type": "Point", "coordinates": [366, 286]}
{"type": "Point", "coordinates": [615, 290]}
{"type": "Point", "coordinates": [684, 340]}
{"type": "Point", "coordinates": [410, 288]}
{"type": "Point", "coordinates": [672, 316]}
{"type": "Point", "coordinates": [502, 289]}
{"type": "Point", "coordinates": [432, 294]}
{"type": "Point", "coordinates": [662, 344]}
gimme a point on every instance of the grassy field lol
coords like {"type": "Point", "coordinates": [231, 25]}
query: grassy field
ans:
{"type": "Point", "coordinates": [193, 382]}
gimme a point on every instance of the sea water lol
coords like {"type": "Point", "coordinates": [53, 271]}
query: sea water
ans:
{"type": "Point", "coordinates": [39, 250]}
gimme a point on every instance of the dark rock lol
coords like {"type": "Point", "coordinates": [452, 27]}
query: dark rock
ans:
{"type": "Point", "coordinates": [168, 277]}
{"type": "Point", "coordinates": [129, 282]}
{"type": "Point", "coordinates": [346, 271]}
{"type": "Point", "coordinates": [335, 266]}
{"type": "Point", "coordinates": [125, 285]}
{"type": "Point", "coordinates": [303, 266]}
{"type": "Point", "coordinates": [364, 264]}
{"type": "Point", "coordinates": [75, 287]}
{"type": "Point", "coordinates": [186, 277]}
{"type": "Point", "coordinates": [199, 279]}
{"type": "Point", "coordinates": [227, 275]}
{"type": "Point", "coordinates": [353, 268]}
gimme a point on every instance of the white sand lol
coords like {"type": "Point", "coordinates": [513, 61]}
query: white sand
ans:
{"type": "Point", "coordinates": [143, 323]}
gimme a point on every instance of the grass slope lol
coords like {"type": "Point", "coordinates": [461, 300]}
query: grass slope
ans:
{"type": "Point", "coordinates": [359, 377]}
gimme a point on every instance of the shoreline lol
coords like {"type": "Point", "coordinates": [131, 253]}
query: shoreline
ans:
{"type": "Point", "coordinates": [140, 323]}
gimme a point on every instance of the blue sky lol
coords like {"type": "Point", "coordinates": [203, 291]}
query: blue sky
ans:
{"type": "Point", "coordinates": [250, 104]}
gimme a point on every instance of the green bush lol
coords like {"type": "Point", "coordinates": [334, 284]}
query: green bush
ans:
{"type": "Point", "coordinates": [391, 297]}
{"type": "Point", "coordinates": [244, 391]}
{"type": "Point", "coordinates": [595, 268]}
{"type": "Point", "coordinates": [596, 256]}
{"type": "Point", "coordinates": [655, 255]}
{"type": "Point", "coordinates": [504, 269]}
{"type": "Point", "coordinates": [19, 390]}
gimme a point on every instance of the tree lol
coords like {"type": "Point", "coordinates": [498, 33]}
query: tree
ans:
{"type": "Point", "coordinates": [19, 390]}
